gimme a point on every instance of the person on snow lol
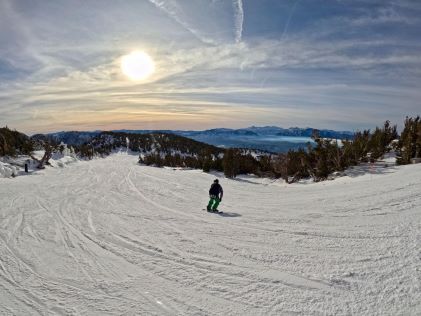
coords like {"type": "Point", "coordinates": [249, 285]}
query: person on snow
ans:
{"type": "Point", "coordinates": [215, 194]}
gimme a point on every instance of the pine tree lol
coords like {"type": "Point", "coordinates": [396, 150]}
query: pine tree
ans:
{"type": "Point", "coordinates": [13, 143]}
{"type": "Point", "coordinates": [410, 141]}
{"type": "Point", "coordinates": [230, 163]}
{"type": "Point", "coordinates": [322, 166]}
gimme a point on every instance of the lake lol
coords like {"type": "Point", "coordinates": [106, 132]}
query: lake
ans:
{"type": "Point", "coordinates": [272, 143]}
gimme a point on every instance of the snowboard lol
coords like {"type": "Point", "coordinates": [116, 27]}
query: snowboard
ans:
{"type": "Point", "coordinates": [219, 212]}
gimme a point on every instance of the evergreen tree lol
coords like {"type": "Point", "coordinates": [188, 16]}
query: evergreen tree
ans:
{"type": "Point", "coordinates": [322, 167]}
{"type": "Point", "coordinates": [231, 163]}
{"type": "Point", "coordinates": [206, 160]}
{"type": "Point", "coordinates": [409, 145]}
{"type": "Point", "coordinates": [13, 143]}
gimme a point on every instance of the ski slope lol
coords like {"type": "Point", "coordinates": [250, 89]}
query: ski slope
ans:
{"type": "Point", "coordinates": [110, 237]}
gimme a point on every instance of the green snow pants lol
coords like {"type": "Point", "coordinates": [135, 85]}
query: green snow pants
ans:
{"type": "Point", "coordinates": [213, 203]}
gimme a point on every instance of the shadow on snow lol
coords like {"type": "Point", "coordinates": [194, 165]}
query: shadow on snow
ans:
{"type": "Point", "coordinates": [228, 214]}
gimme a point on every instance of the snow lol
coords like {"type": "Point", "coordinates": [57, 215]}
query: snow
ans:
{"type": "Point", "coordinates": [15, 166]}
{"type": "Point", "coordinates": [111, 237]}
{"type": "Point", "coordinates": [7, 170]}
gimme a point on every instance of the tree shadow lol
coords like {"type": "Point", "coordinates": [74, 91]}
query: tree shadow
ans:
{"type": "Point", "coordinates": [363, 169]}
{"type": "Point", "coordinates": [26, 174]}
{"type": "Point", "coordinates": [244, 180]}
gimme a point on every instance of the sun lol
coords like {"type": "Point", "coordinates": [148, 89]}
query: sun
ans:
{"type": "Point", "coordinates": [137, 65]}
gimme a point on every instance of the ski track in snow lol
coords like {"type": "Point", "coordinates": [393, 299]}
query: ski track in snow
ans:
{"type": "Point", "coordinates": [110, 237]}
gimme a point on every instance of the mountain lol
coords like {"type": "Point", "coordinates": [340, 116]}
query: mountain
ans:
{"type": "Point", "coordinates": [298, 132]}
{"type": "Point", "coordinates": [74, 137]}
{"type": "Point", "coordinates": [254, 131]}
{"type": "Point", "coordinates": [308, 132]}
{"type": "Point", "coordinates": [266, 138]}
{"type": "Point", "coordinates": [219, 132]}
{"type": "Point", "coordinates": [163, 143]}
{"type": "Point", "coordinates": [267, 131]}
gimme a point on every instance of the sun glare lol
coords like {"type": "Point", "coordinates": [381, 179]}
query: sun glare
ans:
{"type": "Point", "coordinates": [137, 65]}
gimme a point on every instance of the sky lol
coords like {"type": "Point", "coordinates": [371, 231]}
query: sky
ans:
{"type": "Point", "coordinates": [338, 64]}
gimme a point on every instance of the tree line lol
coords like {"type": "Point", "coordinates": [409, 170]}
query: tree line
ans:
{"type": "Point", "coordinates": [328, 156]}
{"type": "Point", "coordinates": [317, 161]}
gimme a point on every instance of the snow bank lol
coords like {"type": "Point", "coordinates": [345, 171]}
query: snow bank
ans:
{"type": "Point", "coordinates": [7, 170]}
{"type": "Point", "coordinates": [12, 167]}
{"type": "Point", "coordinates": [58, 160]}
{"type": "Point", "coordinates": [61, 162]}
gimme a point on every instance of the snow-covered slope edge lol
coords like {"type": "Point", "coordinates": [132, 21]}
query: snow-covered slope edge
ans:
{"type": "Point", "coordinates": [15, 166]}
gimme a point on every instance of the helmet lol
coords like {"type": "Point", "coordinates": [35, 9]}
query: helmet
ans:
{"type": "Point", "coordinates": [216, 181]}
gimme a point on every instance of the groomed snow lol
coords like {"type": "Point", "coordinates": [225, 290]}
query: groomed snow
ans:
{"type": "Point", "coordinates": [110, 237]}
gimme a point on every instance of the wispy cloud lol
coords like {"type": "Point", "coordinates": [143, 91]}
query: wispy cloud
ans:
{"type": "Point", "coordinates": [172, 8]}
{"type": "Point", "coordinates": [385, 15]}
{"type": "Point", "coordinates": [290, 15]}
{"type": "Point", "coordinates": [239, 19]}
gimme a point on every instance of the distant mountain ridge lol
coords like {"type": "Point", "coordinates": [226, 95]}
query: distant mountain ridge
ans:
{"type": "Point", "coordinates": [267, 138]}
{"type": "Point", "coordinates": [256, 131]}
{"type": "Point", "coordinates": [74, 137]}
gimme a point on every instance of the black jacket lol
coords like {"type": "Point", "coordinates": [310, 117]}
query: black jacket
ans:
{"type": "Point", "coordinates": [216, 189]}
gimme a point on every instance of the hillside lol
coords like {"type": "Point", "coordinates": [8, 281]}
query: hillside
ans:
{"type": "Point", "coordinates": [159, 142]}
{"type": "Point", "coordinates": [108, 236]}
{"type": "Point", "coordinates": [13, 143]}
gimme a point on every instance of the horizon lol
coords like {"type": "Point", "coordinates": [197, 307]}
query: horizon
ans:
{"type": "Point", "coordinates": [189, 130]}
{"type": "Point", "coordinates": [177, 65]}
{"type": "Point", "coordinates": [198, 130]}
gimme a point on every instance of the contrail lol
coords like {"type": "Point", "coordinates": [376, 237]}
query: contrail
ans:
{"type": "Point", "coordinates": [289, 18]}
{"type": "Point", "coordinates": [171, 8]}
{"type": "Point", "coordinates": [239, 19]}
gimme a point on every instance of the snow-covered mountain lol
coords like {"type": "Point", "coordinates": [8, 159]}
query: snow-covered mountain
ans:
{"type": "Point", "coordinates": [256, 131]}
{"type": "Point", "coordinates": [269, 138]}
{"type": "Point", "coordinates": [112, 237]}
{"type": "Point", "coordinates": [74, 137]}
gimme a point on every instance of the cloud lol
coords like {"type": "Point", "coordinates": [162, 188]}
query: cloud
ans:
{"type": "Point", "coordinates": [384, 15]}
{"type": "Point", "coordinates": [290, 76]}
{"type": "Point", "coordinates": [239, 19]}
{"type": "Point", "coordinates": [172, 8]}
{"type": "Point", "coordinates": [288, 21]}
{"type": "Point", "coordinates": [62, 74]}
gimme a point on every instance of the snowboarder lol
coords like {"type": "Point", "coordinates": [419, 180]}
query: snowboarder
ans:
{"type": "Point", "coordinates": [215, 194]}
